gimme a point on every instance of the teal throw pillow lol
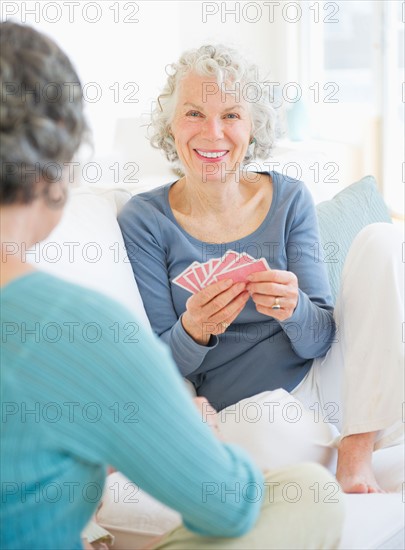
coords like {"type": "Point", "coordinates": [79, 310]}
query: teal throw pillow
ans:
{"type": "Point", "coordinates": [341, 218]}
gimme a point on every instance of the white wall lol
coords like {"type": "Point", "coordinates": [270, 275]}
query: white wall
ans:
{"type": "Point", "coordinates": [107, 50]}
{"type": "Point", "coordinates": [245, 25]}
{"type": "Point", "coordinates": [124, 47]}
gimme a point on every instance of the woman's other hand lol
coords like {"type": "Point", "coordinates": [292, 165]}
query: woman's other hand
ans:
{"type": "Point", "coordinates": [274, 288]}
{"type": "Point", "coordinates": [213, 309]}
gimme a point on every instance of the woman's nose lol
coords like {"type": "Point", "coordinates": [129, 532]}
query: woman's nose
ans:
{"type": "Point", "coordinates": [212, 129]}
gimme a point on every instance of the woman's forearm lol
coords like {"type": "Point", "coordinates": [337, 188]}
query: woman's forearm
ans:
{"type": "Point", "coordinates": [187, 353]}
{"type": "Point", "coordinates": [311, 328]}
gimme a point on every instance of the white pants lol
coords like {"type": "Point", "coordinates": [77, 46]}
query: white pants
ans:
{"type": "Point", "coordinates": [357, 387]}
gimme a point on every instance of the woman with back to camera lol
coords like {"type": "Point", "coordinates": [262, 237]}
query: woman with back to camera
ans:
{"type": "Point", "coordinates": [212, 118]}
{"type": "Point", "coordinates": [46, 465]}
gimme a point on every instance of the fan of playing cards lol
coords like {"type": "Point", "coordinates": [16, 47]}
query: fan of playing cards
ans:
{"type": "Point", "coordinates": [232, 265]}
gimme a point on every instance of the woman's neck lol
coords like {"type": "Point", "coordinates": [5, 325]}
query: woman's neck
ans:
{"type": "Point", "coordinates": [214, 198]}
{"type": "Point", "coordinates": [16, 229]}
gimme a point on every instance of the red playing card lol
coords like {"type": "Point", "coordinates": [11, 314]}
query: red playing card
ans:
{"type": "Point", "coordinates": [239, 274]}
{"type": "Point", "coordinates": [206, 267]}
{"type": "Point", "coordinates": [200, 274]}
{"type": "Point", "coordinates": [227, 259]}
{"type": "Point", "coordinates": [243, 259]}
{"type": "Point", "coordinates": [182, 282]}
{"type": "Point", "coordinates": [191, 277]}
{"type": "Point", "coordinates": [212, 264]}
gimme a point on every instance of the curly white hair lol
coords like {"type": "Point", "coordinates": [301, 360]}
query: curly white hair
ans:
{"type": "Point", "coordinates": [227, 66]}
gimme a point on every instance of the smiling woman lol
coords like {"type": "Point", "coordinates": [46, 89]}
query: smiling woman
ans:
{"type": "Point", "coordinates": [211, 120]}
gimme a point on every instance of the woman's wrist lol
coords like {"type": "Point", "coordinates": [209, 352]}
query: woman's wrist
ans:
{"type": "Point", "coordinates": [195, 332]}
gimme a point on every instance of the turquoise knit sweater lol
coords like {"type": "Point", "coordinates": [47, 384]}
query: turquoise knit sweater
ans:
{"type": "Point", "coordinates": [83, 387]}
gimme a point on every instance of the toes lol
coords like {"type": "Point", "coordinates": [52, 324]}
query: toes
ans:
{"type": "Point", "coordinates": [375, 490]}
{"type": "Point", "coordinates": [354, 485]}
{"type": "Point", "coordinates": [358, 488]}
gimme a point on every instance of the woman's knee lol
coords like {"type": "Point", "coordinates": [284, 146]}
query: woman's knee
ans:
{"type": "Point", "coordinates": [280, 431]}
{"type": "Point", "coordinates": [292, 516]}
{"type": "Point", "coordinates": [377, 237]}
{"type": "Point", "coordinates": [376, 249]}
{"type": "Point", "coordinates": [308, 479]}
{"type": "Point", "coordinates": [309, 498]}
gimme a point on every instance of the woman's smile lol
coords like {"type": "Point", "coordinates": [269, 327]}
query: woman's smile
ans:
{"type": "Point", "coordinates": [211, 155]}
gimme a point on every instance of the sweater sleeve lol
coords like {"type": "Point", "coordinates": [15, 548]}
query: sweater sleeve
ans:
{"type": "Point", "coordinates": [148, 426]}
{"type": "Point", "coordinates": [311, 328]}
{"type": "Point", "coordinates": [146, 251]}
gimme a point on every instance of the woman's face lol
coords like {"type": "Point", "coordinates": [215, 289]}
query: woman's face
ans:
{"type": "Point", "coordinates": [211, 128]}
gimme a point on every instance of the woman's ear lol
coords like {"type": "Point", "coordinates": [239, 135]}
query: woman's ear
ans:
{"type": "Point", "coordinates": [55, 193]}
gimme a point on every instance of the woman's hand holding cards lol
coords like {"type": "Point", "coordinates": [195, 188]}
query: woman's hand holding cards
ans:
{"type": "Point", "coordinates": [274, 292]}
{"type": "Point", "coordinates": [213, 309]}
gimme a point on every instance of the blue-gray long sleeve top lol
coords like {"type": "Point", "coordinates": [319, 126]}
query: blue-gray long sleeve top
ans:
{"type": "Point", "coordinates": [257, 352]}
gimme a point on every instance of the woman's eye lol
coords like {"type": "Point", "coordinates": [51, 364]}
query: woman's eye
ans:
{"type": "Point", "coordinates": [231, 115]}
{"type": "Point", "coordinates": [193, 114]}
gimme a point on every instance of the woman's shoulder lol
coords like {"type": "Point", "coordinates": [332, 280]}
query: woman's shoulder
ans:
{"type": "Point", "coordinates": [144, 207]}
{"type": "Point", "coordinates": [290, 189]}
{"type": "Point", "coordinates": [286, 181]}
{"type": "Point", "coordinates": [43, 292]}
{"type": "Point", "coordinates": [153, 197]}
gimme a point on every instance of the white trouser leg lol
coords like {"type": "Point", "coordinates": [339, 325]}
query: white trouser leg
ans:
{"type": "Point", "coordinates": [278, 430]}
{"type": "Point", "coordinates": [357, 387]}
{"type": "Point", "coordinates": [363, 372]}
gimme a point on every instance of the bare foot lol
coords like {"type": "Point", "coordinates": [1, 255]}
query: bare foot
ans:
{"type": "Point", "coordinates": [354, 471]}
{"type": "Point", "coordinates": [359, 479]}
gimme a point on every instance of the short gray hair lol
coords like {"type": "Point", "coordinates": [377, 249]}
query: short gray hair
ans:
{"type": "Point", "coordinates": [226, 65]}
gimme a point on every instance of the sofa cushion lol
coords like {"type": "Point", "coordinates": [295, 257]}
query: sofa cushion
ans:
{"type": "Point", "coordinates": [87, 248]}
{"type": "Point", "coordinates": [373, 521]}
{"type": "Point", "coordinates": [132, 514]}
{"type": "Point", "coordinates": [341, 218]}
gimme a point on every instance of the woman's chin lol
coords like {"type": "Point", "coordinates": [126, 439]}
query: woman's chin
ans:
{"type": "Point", "coordinates": [215, 172]}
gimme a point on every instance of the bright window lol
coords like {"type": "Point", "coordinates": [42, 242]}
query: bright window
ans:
{"type": "Point", "coordinates": [352, 62]}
